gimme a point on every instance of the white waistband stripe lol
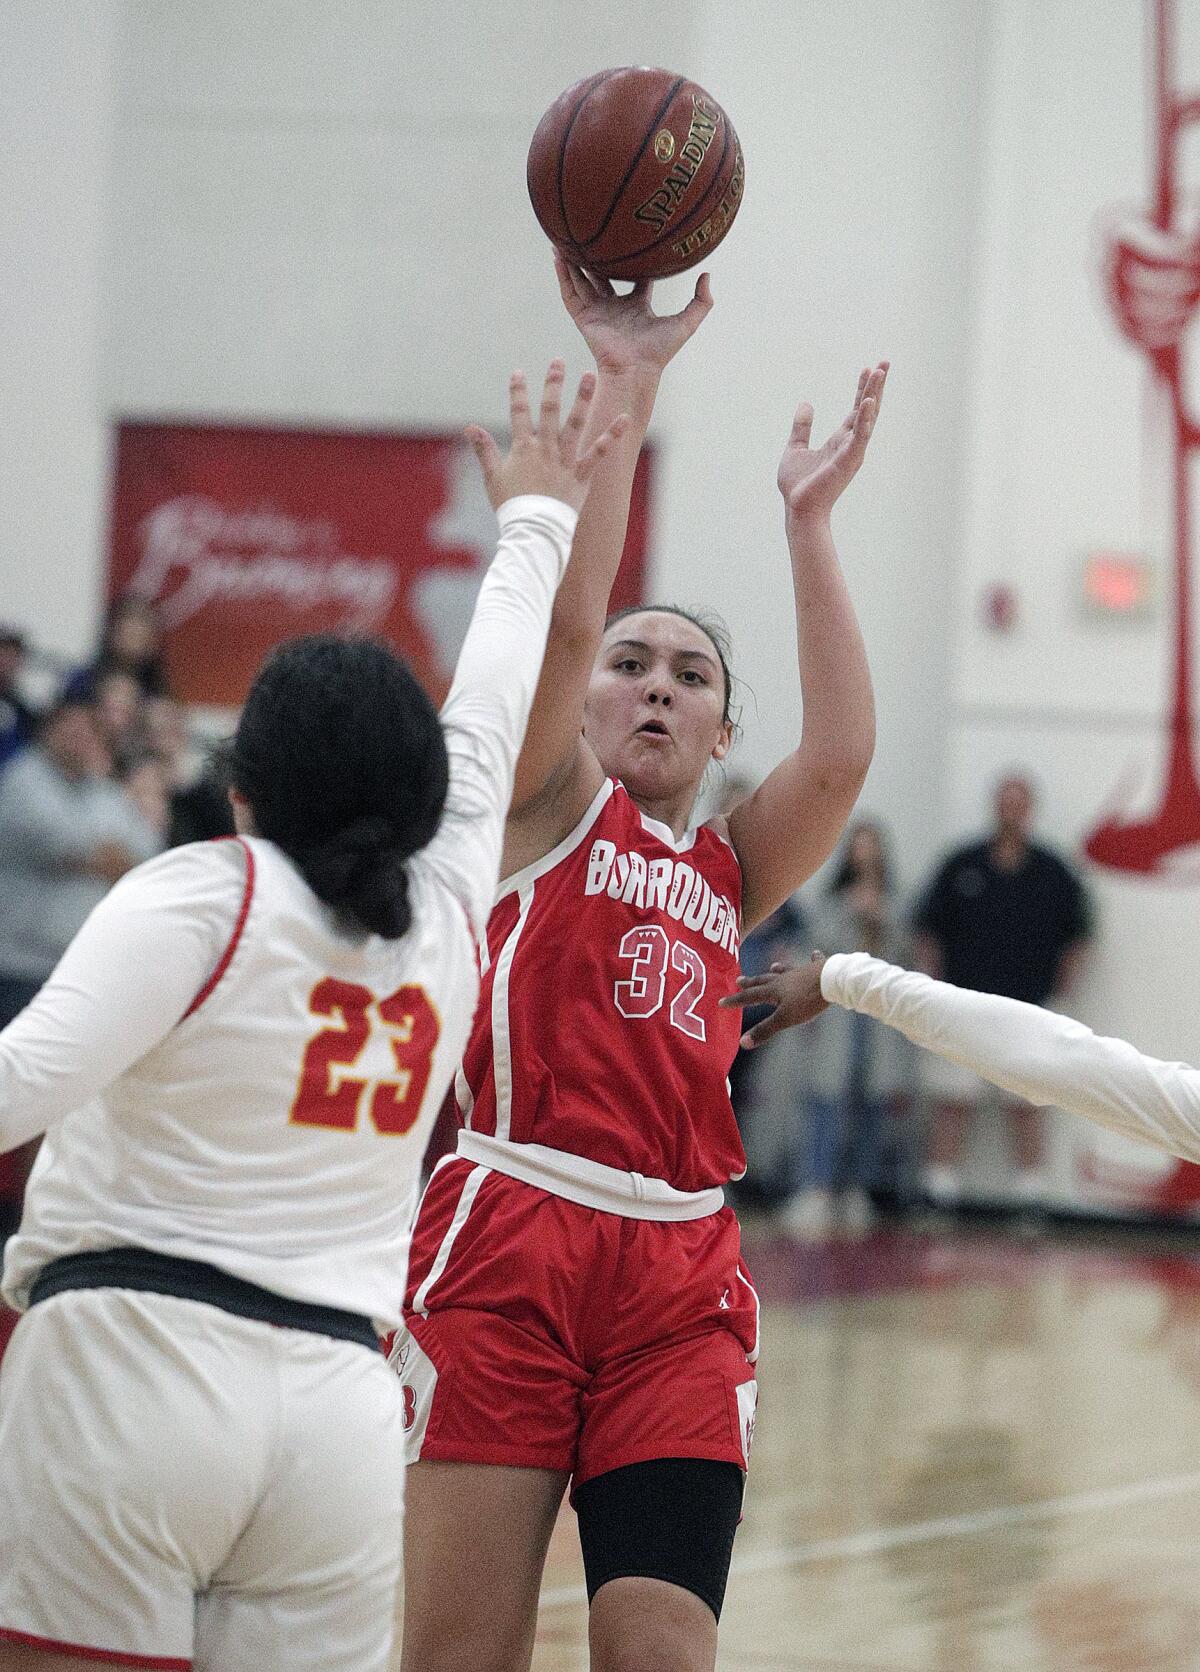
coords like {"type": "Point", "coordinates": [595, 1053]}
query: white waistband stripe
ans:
{"type": "Point", "coordinates": [589, 1183]}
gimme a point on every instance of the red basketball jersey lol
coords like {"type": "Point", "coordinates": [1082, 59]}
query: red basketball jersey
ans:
{"type": "Point", "coordinates": [598, 1030]}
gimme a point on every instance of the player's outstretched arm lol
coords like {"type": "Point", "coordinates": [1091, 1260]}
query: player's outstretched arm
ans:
{"type": "Point", "coordinates": [1034, 1053]}
{"type": "Point", "coordinates": [536, 488]}
{"type": "Point", "coordinates": [126, 980]}
{"type": "Point", "coordinates": [790, 824]}
{"type": "Point", "coordinates": [792, 992]}
{"type": "Point", "coordinates": [557, 774]}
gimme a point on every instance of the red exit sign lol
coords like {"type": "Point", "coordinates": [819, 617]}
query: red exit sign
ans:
{"type": "Point", "coordinates": [1118, 584]}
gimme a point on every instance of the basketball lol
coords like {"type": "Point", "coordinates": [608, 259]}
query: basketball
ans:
{"type": "Point", "coordinates": [635, 173]}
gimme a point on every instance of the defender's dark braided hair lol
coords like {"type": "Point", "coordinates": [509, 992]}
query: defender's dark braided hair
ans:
{"type": "Point", "coordinates": [340, 754]}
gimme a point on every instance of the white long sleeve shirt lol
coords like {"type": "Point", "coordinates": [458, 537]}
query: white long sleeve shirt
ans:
{"type": "Point", "coordinates": [1038, 1054]}
{"type": "Point", "coordinates": [225, 1072]}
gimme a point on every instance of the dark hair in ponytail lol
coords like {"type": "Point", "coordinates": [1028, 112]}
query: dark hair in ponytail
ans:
{"type": "Point", "coordinates": [340, 753]}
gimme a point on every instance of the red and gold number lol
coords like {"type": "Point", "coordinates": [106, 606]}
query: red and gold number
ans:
{"type": "Point", "coordinates": [319, 1102]}
{"type": "Point", "coordinates": [413, 1026]}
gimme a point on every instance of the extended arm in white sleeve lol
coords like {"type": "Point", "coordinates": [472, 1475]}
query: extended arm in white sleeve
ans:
{"type": "Point", "coordinates": [124, 982]}
{"type": "Point", "coordinates": [1038, 1054]}
{"type": "Point", "coordinates": [485, 715]}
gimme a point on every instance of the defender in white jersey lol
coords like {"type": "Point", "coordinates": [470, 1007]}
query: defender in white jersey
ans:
{"type": "Point", "coordinates": [1036, 1054]}
{"type": "Point", "coordinates": [236, 1066]}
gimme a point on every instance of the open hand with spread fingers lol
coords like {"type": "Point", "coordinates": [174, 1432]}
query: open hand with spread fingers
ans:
{"type": "Point", "coordinates": [551, 458]}
{"type": "Point", "coordinates": [812, 478]}
{"type": "Point", "coordinates": [623, 332]}
{"type": "Point", "coordinates": [794, 995]}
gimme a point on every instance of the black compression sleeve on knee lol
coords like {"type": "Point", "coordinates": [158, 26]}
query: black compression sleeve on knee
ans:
{"type": "Point", "coordinates": [671, 1519]}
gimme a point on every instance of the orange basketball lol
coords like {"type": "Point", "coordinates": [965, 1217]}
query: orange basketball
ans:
{"type": "Point", "coordinates": [635, 173]}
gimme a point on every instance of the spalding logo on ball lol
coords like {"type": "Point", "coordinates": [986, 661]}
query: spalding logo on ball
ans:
{"type": "Point", "coordinates": [635, 173]}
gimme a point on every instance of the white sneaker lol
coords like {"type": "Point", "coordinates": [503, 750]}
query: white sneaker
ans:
{"type": "Point", "coordinates": [808, 1215]}
{"type": "Point", "coordinates": [857, 1213]}
{"type": "Point", "coordinates": [942, 1186]}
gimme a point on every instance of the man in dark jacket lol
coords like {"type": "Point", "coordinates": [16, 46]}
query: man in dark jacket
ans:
{"type": "Point", "coordinates": [1002, 915]}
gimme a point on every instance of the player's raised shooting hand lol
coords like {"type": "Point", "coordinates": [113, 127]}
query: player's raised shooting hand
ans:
{"type": "Point", "coordinates": [793, 994]}
{"type": "Point", "coordinates": [623, 332]}
{"type": "Point", "coordinates": [549, 459]}
{"type": "Point", "coordinates": [811, 479]}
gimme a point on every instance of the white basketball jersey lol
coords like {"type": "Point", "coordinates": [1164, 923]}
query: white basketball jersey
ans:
{"type": "Point", "coordinates": [262, 1080]}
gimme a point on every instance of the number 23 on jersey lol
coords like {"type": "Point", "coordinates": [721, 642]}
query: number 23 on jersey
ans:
{"type": "Point", "coordinates": [412, 1025]}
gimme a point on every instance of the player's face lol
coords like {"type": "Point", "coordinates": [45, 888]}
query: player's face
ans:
{"type": "Point", "coordinates": [655, 705]}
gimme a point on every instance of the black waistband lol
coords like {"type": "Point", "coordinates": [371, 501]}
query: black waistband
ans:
{"type": "Point", "coordinates": [164, 1274]}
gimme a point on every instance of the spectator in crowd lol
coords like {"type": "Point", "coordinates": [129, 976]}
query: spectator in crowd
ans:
{"type": "Point", "coordinates": [199, 806]}
{"type": "Point", "coordinates": [858, 1075]}
{"type": "Point", "coordinates": [67, 833]}
{"type": "Point", "coordinates": [734, 788]}
{"type": "Point", "coordinates": [130, 643]}
{"type": "Point", "coordinates": [767, 1089]}
{"type": "Point", "coordinates": [762, 1090]}
{"type": "Point", "coordinates": [1002, 915]}
{"type": "Point", "coordinates": [144, 779]}
{"type": "Point", "coordinates": [119, 709]}
{"type": "Point", "coordinates": [18, 720]}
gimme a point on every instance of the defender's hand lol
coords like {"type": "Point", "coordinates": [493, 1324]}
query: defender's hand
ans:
{"type": "Point", "coordinates": [545, 460]}
{"type": "Point", "coordinates": [794, 994]}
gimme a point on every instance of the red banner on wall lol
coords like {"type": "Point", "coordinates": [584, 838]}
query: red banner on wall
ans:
{"type": "Point", "coordinates": [244, 537]}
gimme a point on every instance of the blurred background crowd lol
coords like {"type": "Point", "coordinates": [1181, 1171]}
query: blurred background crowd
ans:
{"type": "Point", "coordinates": [98, 772]}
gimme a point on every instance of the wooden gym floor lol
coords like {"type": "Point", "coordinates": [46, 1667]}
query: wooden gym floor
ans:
{"type": "Point", "coordinates": [973, 1452]}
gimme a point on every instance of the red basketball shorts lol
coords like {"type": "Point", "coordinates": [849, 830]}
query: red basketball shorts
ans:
{"type": "Point", "coordinates": [553, 1336]}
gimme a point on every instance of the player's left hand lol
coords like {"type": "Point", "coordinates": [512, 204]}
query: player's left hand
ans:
{"type": "Point", "coordinates": [794, 995]}
{"type": "Point", "coordinates": [623, 332]}
{"type": "Point", "coordinates": [811, 479]}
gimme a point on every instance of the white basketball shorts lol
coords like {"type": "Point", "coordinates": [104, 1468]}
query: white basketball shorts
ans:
{"type": "Point", "coordinates": [182, 1487]}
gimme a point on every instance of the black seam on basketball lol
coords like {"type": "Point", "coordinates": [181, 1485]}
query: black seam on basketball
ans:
{"type": "Point", "coordinates": [637, 157]}
{"type": "Point", "coordinates": [597, 80]}
{"type": "Point", "coordinates": [696, 210]}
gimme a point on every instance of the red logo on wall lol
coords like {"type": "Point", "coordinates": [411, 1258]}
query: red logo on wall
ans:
{"type": "Point", "coordinates": [244, 537]}
{"type": "Point", "coordinates": [1153, 278]}
{"type": "Point", "coordinates": [1153, 281]}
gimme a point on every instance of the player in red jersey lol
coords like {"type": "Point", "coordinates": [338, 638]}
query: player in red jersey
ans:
{"type": "Point", "coordinates": [577, 1308]}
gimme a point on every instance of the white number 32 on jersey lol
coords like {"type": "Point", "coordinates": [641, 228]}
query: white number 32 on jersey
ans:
{"type": "Point", "coordinates": [650, 953]}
